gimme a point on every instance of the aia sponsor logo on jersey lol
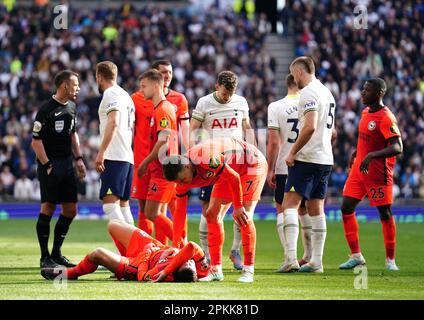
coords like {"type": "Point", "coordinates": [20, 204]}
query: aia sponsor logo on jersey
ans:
{"type": "Point", "coordinates": [371, 125]}
{"type": "Point", "coordinates": [225, 124]}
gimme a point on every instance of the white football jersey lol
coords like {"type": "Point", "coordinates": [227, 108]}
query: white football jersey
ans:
{"type": "Point", "coordinates": [283, 116]}
{"type": "Point", "coordinates": [316, 97]}
{"type": "Point", "coordinates": [117, 99]}
{"type": "Point", "coordinates": [222, 119]}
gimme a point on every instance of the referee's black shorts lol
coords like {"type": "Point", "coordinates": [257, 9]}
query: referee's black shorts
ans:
{"type": "Point", "coordinates": [60, 186]}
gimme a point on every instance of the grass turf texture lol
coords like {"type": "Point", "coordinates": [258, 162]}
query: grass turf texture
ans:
{"type": "Point", "coordinates": [20, 276]}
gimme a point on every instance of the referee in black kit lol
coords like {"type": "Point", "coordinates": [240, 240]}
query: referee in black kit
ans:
{"type": "Point", "coordinates": [56, 144]}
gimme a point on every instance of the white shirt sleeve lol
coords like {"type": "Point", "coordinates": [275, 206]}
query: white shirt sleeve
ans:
{"type": "Point", "coordinates": [111, 102]}
{"type": "Point", "coordinates": [273, 122]}
{"type": "Point", "coordinates": [308, 102]}
{"type": "Point", "coordinates": [199, 111]}
{"type": "Point", "coordinates": [245, 109]}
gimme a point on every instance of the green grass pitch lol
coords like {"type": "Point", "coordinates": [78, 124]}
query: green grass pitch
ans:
{"type": "Point", "coordinates": [20, 277]}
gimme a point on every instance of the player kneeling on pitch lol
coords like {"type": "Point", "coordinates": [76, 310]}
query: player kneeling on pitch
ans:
{"type": "Point", "coordinates": [237, 170]}
{"type": "Point", "coordinates": [142, 259]}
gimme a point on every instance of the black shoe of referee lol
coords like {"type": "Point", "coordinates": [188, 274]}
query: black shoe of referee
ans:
{"type": "Point", "coordinates": [63, 261]}
{"type": "Point", "coordinates": [48, 262]}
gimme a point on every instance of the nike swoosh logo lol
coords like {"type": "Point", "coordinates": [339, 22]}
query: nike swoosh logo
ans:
{"type": "Point", "coordinates": [56, 114]}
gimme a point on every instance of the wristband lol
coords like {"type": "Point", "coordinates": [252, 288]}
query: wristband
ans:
{"type": "Point", "coordinates": [48, 165]}
{"type": "Point", "coordinates": [78, 158]}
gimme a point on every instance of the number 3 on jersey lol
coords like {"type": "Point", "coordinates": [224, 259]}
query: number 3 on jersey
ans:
{"type": "Point", "coordinates": [294, 129]}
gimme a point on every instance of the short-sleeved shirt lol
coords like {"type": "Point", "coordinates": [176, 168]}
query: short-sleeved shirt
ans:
{"type": "Point", "coordinates": [317, 97]}
{"type": "Point", "coordinates": [210, 157]}
{"type": "Point", "coordinates": [179, 101]}
{"type": "Point", "coordinates": [143, 116]}
{"type": "Point", "coordinates": [117, 99]}
{"type": "Point", "coordinates": [283, 117]}
{"type": "Point", "coordinates": [375, 129]}
{"type": "Point", "coordinates": [55, 124]}
{"type": "Point", "coordinates": [163, 119]}
{"type": "Point", "coordinates": [222, 119]}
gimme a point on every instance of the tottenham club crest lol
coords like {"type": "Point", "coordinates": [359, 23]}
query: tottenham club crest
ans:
{"type": "Point", "coordinates": [371, 125]}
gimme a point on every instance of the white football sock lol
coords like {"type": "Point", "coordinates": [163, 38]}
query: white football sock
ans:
{"type": "Point", "coordinates": [113, 211]}
{"type": "Point", "coordinates": [203, 235]}
{"type": "Point", "coordinates": [305, 223]}
{"type": "Point", "coordinates": [126, 213]}
{"type": "Point", "coordinates": [237, 237]}
{"type": "Point", "coordinates": [249, 268]}
{"type": "Point", "coordinates": [291, 232]}
{"type": "Point", "coordinates": [217, 268]}
{"type": "Point", "coordinates": [280, 230]}
{"type": "Point", "coordinates": [319, 232]}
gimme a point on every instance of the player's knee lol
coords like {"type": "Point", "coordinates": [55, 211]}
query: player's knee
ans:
{"type": "Point", "coordinates": [112, 226]}
{"type": "Point", "coordinates": [347, 208]}
{"type": "Point", "coordinates": [385, 212]}
{"type": "Point", "coordinates": [211, 215]}
{"type": "Point", "coordinates": [96, 256]}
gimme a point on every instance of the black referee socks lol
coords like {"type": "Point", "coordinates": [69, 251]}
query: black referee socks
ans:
{"type": "Point", "coordinates": [43, 232]}
{"type": "Point", "coordinates": [60, 231]}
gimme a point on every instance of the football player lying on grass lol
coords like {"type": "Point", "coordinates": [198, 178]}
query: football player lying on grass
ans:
{"type": "Point", "coordinates": [142, 259]}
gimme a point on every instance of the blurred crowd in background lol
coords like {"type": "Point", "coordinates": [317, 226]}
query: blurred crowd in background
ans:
{"type": "Point", "coordinates": [390, 45]}
{"type": "Point", "coordinates": [199, 46]}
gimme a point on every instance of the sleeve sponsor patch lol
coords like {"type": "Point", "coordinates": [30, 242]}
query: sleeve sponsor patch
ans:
{"type": "Point", "coordinates": [394, 129]}
{"type": "Point", "coordinates": [163, 123]}
{"type": "Point", "coordinates": [310, 105]}
{"type": "Point", "coordinates": [37, 127]}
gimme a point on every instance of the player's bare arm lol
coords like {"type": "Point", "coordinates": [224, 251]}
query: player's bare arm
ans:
{"type": "Point", "coordinates": [110, 130]}
{"type": "Point", "coordinates": [194, 126]}
{"type": "Point", "coordinates": [272, 150]}
{"type": "Point", "coordinates": [185, 133]}
{"type": "Point", "coordinates": [80, 166]}
{"type": "Point", "coordinates": [311, 119]}
{"type": "Point", "coordinates": [153, 155]}
{"type": "Point", "coordinates": [248, 132]}
{"type": "Point", "coordinates": [233, 178]}
{"type": "Point", "coordinates": [395, 148]}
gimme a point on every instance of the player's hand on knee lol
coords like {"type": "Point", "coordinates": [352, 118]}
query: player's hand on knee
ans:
{"type": "Point", "coordinates": [240, 216]}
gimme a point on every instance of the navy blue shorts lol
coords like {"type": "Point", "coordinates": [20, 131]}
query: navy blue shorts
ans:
{"type": "Point", "coordinates": [116, 179]}
{"type": "Point", "coordinates": [308, 179]}
{"type": "Point", "coordinates": [280, 183]}
{"type": "Point", "coordinates": [205, 193]}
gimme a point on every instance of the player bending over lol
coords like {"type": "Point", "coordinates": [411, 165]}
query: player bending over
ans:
{"type": "Point", "coordinates": [237, 170]}
{"type": "Point", "coordinates": [372, 163]}
{"type": "Point", "coordinates": [142, 259]}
